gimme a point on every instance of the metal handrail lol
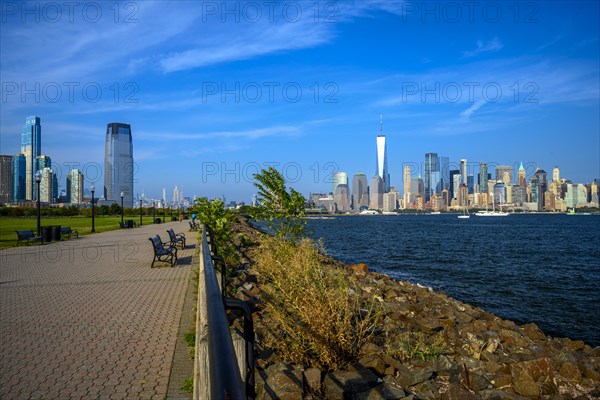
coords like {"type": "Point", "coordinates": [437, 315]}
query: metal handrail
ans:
{"type": "Point", "coordinates": [225, 378]}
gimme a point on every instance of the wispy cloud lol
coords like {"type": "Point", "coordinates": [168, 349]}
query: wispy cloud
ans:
{"type": "Point", "coordinates": [483, 47]}
{"type": "Point", "coordinates": [469, 111]}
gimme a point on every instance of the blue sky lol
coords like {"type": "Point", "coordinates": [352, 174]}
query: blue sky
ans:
{"type": "Point", "coordinates": [215, 90]}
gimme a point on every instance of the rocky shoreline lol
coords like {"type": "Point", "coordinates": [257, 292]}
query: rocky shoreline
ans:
{"type": "Point", "coordinates": [447, 349]}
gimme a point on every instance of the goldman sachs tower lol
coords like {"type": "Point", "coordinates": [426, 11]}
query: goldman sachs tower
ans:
{"type": "Point", "coordinates": [382, 163]}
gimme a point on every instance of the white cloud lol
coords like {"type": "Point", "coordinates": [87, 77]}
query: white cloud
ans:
{"type": "Point", "coordinates": [492, 45]}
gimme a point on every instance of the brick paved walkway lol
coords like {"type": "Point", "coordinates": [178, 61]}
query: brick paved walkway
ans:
{"type": "Point", "coordinates": [88, 318]}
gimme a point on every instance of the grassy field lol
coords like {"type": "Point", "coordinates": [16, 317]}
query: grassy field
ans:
{"type": "Point", "coordinates": [8, 226]}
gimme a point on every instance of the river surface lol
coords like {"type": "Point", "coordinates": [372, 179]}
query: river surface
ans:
{"type": "Point", "coordinates": [526, 268]}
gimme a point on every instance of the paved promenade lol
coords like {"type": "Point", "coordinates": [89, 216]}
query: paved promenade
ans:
{"type": "Point", "coordinates": [88, 318]}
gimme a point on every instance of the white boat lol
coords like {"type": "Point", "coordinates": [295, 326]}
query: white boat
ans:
{"type": "Point", "coordinates": [492, 213]}
{"type": "Point", "coordinates": [465, 215]}
{"type": "Point", "coordinates": [435, 213]}
{"type": "Point", "coordinates": [368, 212]}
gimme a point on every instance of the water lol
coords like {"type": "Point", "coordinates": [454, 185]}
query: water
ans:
{"type": "Point", "coordinates": [526, 268]}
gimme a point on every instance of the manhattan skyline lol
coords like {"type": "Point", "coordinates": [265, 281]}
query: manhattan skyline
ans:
{"type": "Point", "coordinates": [215, 92]}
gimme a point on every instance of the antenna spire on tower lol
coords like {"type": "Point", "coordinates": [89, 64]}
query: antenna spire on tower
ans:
{"type": "Point", "coordinates": [381, 123]}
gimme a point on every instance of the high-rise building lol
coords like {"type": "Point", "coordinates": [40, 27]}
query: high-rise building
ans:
{"type": "Point", "coordinates": [522, 176]}
{"type": "Point", "coordinates": [75, 186]}
{"type": "Point", "coordinates": [341, 197]}
{"type": "Point", "coordinates": [390, 200]}
{"type": "Point", "coordinates": [504, 173]}
{"type": "Point", "coordinates": [556, 174]}
{"type": "Point", "coordinates": [339, 178]}
{"type": "Point", "coordinates": [164, 196]}
{"type": "Point", "coordinates": [118, 163]}
{"type": "Point", "coordinates": [500, 193]}
{"type": "Point", "coordinates": [417, 187]}
{"type": "Point", "coordinates": [483, 178]}
{"type": "Point", "coordinates": [406, 180]}
{"type": "Point", "coordinates": [360, 191]}
{"type": "Point", "coordinates": [542, 178]}
{"type": "Point", "coordinates": [471, 184]}
{"type": "Point", "coordinates": [463, 170]}
{"type": "Point", "coordinates": [42, 162]}
{"type": "Point", "coordinates": [376, 193]}
{"type": "Point", "coordinates": [176, 196]}
{"type": "Point", "coordinates": [47, 186]}
{"type": "Point", "coordinates": [382, 162]}
{"type": "Point", "coordinates": [6, 177]}
{"type": "Point", "coordinates": [432, 168]}
{"type": "Point", "coordinates": [19, 179]}
{"type": "Point", "coordinates": [457, 180]}
{"type": "Point", "coordinates": [444, 173]}
{"type": "Point", "coordinates": [31, 147]}
{"type": "Point", "coordinates": [453, 189]}
{"type": "Point", "coordinates": [463, 195]}
{"type": "Point", "coordinates": [576, 194]}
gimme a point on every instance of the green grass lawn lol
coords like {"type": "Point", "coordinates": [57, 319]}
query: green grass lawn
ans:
{"type": "Point", "coordinates": [9, 225]}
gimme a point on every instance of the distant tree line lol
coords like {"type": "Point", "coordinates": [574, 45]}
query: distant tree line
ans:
{"type": "Point", "coordinates": [72, 211]}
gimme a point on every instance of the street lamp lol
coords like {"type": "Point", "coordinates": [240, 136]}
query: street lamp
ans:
{"type": "Point", "coordinates": [122, 195]}
{"type": "Point", "coordinates": [92, 188]}
{"type": "Point", "coordinates": [141, 211]}
{"type": "Point", "coordinates": [154, 211]}
{"type": "Point", "coordinates": [38, 179]}
{"type": "Point", "coordinates": [164, 213]}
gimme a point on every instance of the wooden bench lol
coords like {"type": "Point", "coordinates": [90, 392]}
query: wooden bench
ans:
{"type": "Point", "coordinates": [176, 238]}
{"type": "Point", "coordinates": [193, 226]}
{"type": "Point", "coordinates": [68, 232]}
{"type": "Point", "coordinates": [163, 251]}
{"type": "Point", "coordinates": [28, 236]}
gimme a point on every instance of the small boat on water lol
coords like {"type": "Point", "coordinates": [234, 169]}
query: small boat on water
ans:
{"type": "Point", "coordinates": [435, 213]}
{"type": "Point", "coordinates": [465, 215]}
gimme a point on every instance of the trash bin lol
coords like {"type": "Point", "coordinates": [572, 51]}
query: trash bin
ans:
{"type": "Point", "coordinates": [157, 221]}
{"type": "Point", "coordinates": [46, 234]}
{"type": "Point", "coordinates": [130, 223]}
{"type": "Point", "coordinates": [55, 232]}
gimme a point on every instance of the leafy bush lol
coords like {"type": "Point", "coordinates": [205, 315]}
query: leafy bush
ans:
{"type": "Point", "coordinates": [314, 317]}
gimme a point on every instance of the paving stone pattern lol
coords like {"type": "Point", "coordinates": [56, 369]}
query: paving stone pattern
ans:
{"type": "Point", "coordinates": [88, 318]}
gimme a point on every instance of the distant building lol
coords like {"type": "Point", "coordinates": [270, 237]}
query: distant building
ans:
{"type": "Point", "coordinates": [483, 177]}
{"type": "Point", "coordinates": [406, 188]}
{"type": "Point", "coordinates": [31, 148]}
{"type": "Point", "coordinates": [556, 174]}
{"type": "Point", "coordinates": [339, 178]}
{"type": "Point", "coordinates": [391, 200]}
{"type": "Point", "coordinates": [360, 191]}
{"type": "Point", "coordinates": [75, 187]}
{"type": "Point", "coordinates": [341, 197]}
{"type": "Point", "coordinates": [457, 180]}
{"type": "Point", "coordinates": [444, 173]}
{"type": "Point", "coordinates": [432, 174]}
{"type": "Point", "coordinates": [464, 170]}
{"type": "Point", "coordinates": [522, 176]}
{"type": "Point", "coordinates": [500, 193]}
{"type": "Point", "coordinates": [118, 163]}
{"type": "Point", "coordinates": [463, 195]}
{"type": "Point", "coordinates": [519, 195]}
{"type": "Point", "coordinates": [504, 173]}
{"type": "Point", "coordinates": [48, 186]}
{"type": "Point", "coordinates": [376, 193]}
{"type": "Point", "coordinates": [382, 162]}
{"type": "Point", "coordinates": [19, 178]}
{"type": "Point", "coordinates": [42, 162]}
{"type": "Point", "coordinates": [453, 189]}
{"type": "Point", "coordinates": [6, 177]}
{"type": "Point", "coordinates": [576, 194]}
{"type": "Point", "coordinates": [542, 178]}
{"type": "Point", "coordinates": [417, 188]}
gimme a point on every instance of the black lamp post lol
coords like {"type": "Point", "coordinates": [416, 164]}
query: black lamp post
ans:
{"type": "Point", "coordinates": [92, 188]}
{"type": "Point", "coordinates": [122, 221]}
{"type": "Point", "coordinates": [141, 211]}
{"type": "Point", "coordinates": [164, 214]}
{"type": "Point", "coordinates": [38, 179]}
{"type": "Point", "coordinates": [154, 211]}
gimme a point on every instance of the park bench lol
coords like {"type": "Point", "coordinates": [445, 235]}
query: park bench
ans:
{"type": "Point", "coordinates": [176, 238]}
{"type": "Point", "coordinates": [193, 226]}
{"type": "Point", "coordinates": [163, 251]}
{"type": "Point", "coordinates": [28, 236]}
{"type": "Point", "coordinates": [68, 232]}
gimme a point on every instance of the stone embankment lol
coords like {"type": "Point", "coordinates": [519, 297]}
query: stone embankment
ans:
{"type": "Point", "coordinates": [429, 346]}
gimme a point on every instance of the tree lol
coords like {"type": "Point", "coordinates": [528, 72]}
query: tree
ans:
{"type": "Point", "coordinates": [283, 211]}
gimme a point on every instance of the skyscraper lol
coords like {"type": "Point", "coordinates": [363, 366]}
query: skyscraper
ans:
{"type": "Point", "coordinates": [453, 189]}
{"type": "Point", "coordinates": [522, 176]}
{"type": "Point", "coordinates": [19, 177]}
{"type": "Point", "coordinates": [382, 164]}
{"type": "Point", "coordinates": [445, 172]}
{"type": "Point", "coordinates": [463, 170]}
{"type": "Point", "coordinates": [432, 168]}
{"type": "Point", "coordinates": [75, 186]}
{"type": "Point", "coordinates": [504, 173]}
{"type": "Point", "coordinates": [406, 184]}
{"type": "Point", "coordinates": [31, 147]}
{"type": "Point", "coordinates": [118, 163]}
{"type": "Point", "coordinates": [339, 178]}
{"type": "Point", "coordinates": [376, 193]}
{"type": "Point", "coordinates": [483, 178]}
{"type": "Point", "coordinates": [556, 174]}
{"type": "Point", "coordinates": [341, 197]}
{"type": "Point", "coordinates": [6, 176]}
{"type": "Point", "coordinates": [47, 186]}
{"type": "Point", "coordinates": [360, 193]}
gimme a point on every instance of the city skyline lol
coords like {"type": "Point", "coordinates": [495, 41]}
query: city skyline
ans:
{"type": "Point", "coordinates": [219, 93]}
